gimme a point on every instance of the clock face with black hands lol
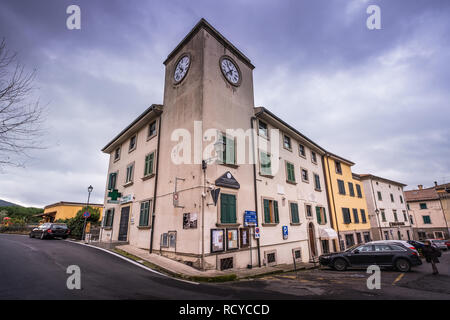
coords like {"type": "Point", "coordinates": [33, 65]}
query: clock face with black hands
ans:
{"type": "Point", "coordinates": [230, 71]}
{"type": "Point", "coordinates": [182, 68]}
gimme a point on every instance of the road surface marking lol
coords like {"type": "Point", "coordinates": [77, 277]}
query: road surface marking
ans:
{"type": "Point", "coordinates": [398, 279]}
{"type": "Point", "coordinates": [133, 262]}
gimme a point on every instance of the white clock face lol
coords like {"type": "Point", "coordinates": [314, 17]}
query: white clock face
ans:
{"type": "Point", "coordinates": [181, 68]}
{"type": "Point", "coordinates": [230, 71]}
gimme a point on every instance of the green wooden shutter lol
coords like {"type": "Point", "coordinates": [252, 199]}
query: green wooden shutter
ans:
{"type": "Point", "coordinates": [294, 213]}
{"type": "Point", "coordinates": [228, 208]}
{"type": "Point", "coordinates": [319, 219]}
{"type": "Point", "coordinates": [324, 215]}
{"type": "Point", "coordinates": [146, 165]}
{"type": "Point", "coordinates": [275, 209]}
{"type": "Point", "coordinates": [232, 209]}
{"type": "Point", "coordinates": [151, 160]}
{"type": "Point", "coordinates": [266, 211]}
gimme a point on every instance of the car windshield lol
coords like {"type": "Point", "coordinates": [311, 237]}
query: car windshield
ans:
{"type": "Point", "coordinates": [59, 226]}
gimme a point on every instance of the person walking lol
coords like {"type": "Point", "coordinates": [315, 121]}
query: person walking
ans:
{"type": "Point", "coordinates": [431, 254]}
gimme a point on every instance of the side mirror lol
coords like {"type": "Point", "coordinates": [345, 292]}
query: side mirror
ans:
{"type": "Point", "coordinates": [356, 251]}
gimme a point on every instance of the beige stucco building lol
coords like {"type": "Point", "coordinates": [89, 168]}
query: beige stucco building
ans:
{"type": "Point", "coordinates": [167, 166]}
{"type": "Point", "coordinates": [427, 208]}
{"type": "Point", "coordinates": [388, 214]}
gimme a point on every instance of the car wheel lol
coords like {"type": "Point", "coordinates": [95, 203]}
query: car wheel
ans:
{"type": "Point", "coordinates": [340, 264]}
{"type": "Point", "coordinates": [402, 265]}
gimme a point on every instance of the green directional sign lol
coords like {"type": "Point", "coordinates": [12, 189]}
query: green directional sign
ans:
{"type": "Point", "coordinates": [114, 194]}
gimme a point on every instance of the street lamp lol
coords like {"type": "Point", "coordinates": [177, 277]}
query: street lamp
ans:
{"type": "Point", "coordinates": [90, 188]}
{"type": "Point", "coordinates": [379, 223]}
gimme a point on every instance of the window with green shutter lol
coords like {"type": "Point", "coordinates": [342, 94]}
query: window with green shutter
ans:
{"type": "Point", "coordinates": [144, 214]}
{"type": "Point", "coordinates": [351, 190]}
{"type": "Point", "coordinates": [358, 191]}
{"type": "Point", "coordinates": [294, 213]}
{"type": "Point", "coordinates": [321, 215]}
{"type": "Point", "coordinates": [227, 208]}
{"type": "Point", "coordinates": [275, 209]}
{"type": "Point", "coordinates": [355, 215]}
{"type": "Point", "coordinates": [426, 220]}
{"type": "Point", "coordinates": [228, 153]}
{"type": "Point", "coordinates": [112, 181]}
{"type": "Point", "coordinates": [346, 215]}
{"type": "Point", "coordinates": [290, 172]}
{"type": "Point", "coordinates": [271, 211]}
{"type": "Point", "coordinates": [363, 216]}
{"type": "Point", "coordinates": [109, 218]}
{"type": "Point", "coordinates": [341, 187]}
{"type": "Point", "coordinates": [149, 160]}
{"type": "Point", "coordinates": [266, 166]}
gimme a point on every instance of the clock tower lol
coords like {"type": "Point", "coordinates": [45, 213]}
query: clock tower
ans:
{"type": "Point", "coordinates": [208, 86]}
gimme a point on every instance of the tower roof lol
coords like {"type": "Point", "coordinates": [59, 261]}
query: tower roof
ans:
{"type": "Point", "coordinates": [203, 24]}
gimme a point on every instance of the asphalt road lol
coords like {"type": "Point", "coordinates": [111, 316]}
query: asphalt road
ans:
{"type": "Point", "coordinates": [37, 269]}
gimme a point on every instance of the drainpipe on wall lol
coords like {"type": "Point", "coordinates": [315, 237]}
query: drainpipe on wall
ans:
{"type": "Point", "coordinates": [255, 188]}
{"type": "Point", "coordinates": [334, 203]}
{"type": "Point", "coordinates": [156, 186]}
{"type": "Point", "coordinates": [328, 198]}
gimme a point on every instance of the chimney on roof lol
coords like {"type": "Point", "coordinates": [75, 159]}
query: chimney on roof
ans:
{"type": "Point", "coordinates": [420, 187]}
{"type": "Point", "coordinates": [435, 183]}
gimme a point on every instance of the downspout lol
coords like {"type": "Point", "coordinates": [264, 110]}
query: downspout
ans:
{"type": "Point", "coordinates": [332, 196]}
{"type": "Point", "coordinates": [376, 209]}
{"type": "Point", "coordinates": [156, 185]}
{"type": "Point", "coordinates": [255, 188]}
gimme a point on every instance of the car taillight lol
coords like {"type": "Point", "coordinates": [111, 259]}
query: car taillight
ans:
{"type": "Point", "coordinates": [413, 248]}
{"type": "Point", "coordinates": [414, 253]}
{"type": "Point", "coordinates": [49, 230]}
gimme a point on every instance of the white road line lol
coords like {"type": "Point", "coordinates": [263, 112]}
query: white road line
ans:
{"type": "Point", "coordinates": [133, 262]}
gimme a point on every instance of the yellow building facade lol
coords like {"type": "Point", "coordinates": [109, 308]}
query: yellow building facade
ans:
{"type": "Point", "coordinates": [66, 210]}
{"type": "Point", "coordinates": [347, 202]}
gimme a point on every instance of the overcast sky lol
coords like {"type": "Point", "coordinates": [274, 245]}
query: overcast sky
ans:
{"type": "Point", "coordinates": [377, 97]}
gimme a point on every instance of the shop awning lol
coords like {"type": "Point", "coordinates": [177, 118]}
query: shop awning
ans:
{"type": "Point", "coordinates": [327, 233]}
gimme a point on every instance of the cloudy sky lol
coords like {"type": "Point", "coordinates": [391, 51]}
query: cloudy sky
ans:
{"type": "Point", "coordinates": [377, 97]}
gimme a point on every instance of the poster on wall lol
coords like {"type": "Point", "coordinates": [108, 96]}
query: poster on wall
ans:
{"type": "Point", "coordinates": [190, 220]}
{"type": "Point", "coordinates": [245, 237]}
{"type": "Point", "coordinates": [217, 240]}
{"type": "Point", "coordinates": [232, 239]}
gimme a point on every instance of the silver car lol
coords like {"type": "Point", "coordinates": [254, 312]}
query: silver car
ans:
{"type": "Point", "coordinates": [440, 244]}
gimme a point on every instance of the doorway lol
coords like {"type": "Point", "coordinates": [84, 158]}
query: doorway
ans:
{"type": "Point", "coordinates": [312, 241]}
{"type": "Point", "coordinates": [123, 226]}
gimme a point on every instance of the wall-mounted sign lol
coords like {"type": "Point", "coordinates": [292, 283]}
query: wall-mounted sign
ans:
{"type": "Point", "coordinates": [250, 218]}
{"type": "Point", "coordinates": [285, 232]}
{"type": "Point", "coordinates": [215, 195]}
{"type": "Point", "coordinates": [217, 240]}
{"type": "Point", "coordinates": [232, 239]}
{"type": "Point", "coordinates": [126, 199]}
{"type": "Point", "coordinates": [245, 237]}
{"type": "Point", "coordinates": [190, 220]}
{"type": "Point", "coordinates": [228, 181]}
{"type": "Point", "coordinates": [114, 195]}
{"type": "Point", "coordinates": [257, 233]}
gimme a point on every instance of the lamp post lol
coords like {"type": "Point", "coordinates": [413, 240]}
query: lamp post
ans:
{"type": "Point", "coordinates": [90, 188]}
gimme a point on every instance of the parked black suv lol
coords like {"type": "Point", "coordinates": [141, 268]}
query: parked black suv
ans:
{"type": "Point", "coordinates": [381, 254]}
{"type": "Point", "coordinates": [50, 230]}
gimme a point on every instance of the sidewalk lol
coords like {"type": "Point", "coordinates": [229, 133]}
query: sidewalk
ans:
{"type": "Point", "coordinates": [182, 270]}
